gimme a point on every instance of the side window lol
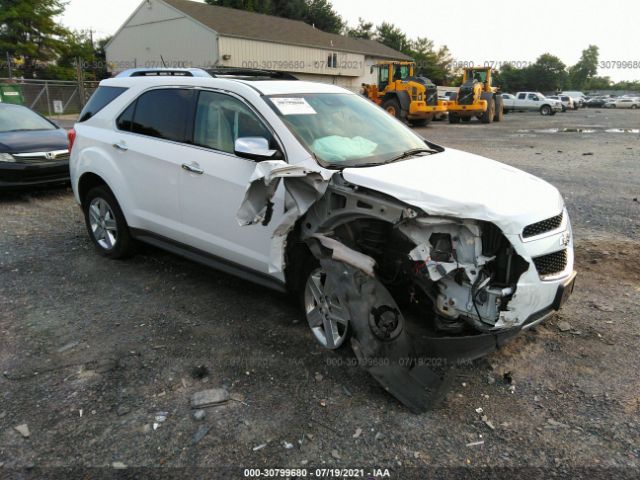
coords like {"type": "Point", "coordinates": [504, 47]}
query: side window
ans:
{"type": "Point", "coordinates": [533, 97]}
{"type": "Point", "coordinates": [522, 96]}
{"type": "Point", "coordinates": [383, 77]}
{"type": "Point", "coordinates": [222, 119]}
{"type": "Point", "coordinates": [125, 120]}
{"type": "Point", "coordinates": [164, 113]}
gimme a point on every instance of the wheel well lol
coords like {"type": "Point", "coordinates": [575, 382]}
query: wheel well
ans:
{"type": "Point", "coordinates": [87, 182]}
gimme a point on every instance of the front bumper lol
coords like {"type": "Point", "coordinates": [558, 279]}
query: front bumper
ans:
{"type": "Point", "coordinates": [23, 175]}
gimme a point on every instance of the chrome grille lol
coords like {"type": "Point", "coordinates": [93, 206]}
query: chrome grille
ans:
{"type": "Point", "coordinates": [552, 263]}
{"type": "Point", "coordinates": [543, 226]}
{"type": "Point", "coordinates": [42, 157]}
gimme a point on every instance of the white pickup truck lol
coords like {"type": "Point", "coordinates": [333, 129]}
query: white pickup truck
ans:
{"type": "Point", "coordinates": [525, 101]}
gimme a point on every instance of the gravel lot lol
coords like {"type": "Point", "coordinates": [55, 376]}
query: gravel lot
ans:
{"type": "Point", "coordinates": [92, 350]}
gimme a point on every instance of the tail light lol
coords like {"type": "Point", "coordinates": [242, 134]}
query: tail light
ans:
{"type": "Point", "coordinates": [71, 136]}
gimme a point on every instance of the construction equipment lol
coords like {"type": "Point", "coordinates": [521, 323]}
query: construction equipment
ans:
{"type": "Point", "coordinates": [476, 98]}
{"type": "Point", "coordinates": [402, 94]}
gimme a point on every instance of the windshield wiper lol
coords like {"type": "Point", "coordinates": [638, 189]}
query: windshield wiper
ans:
{"type": "Point", "coordinates": [410, 153]}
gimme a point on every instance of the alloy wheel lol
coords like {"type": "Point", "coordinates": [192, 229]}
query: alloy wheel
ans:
{"type": "Point", "coordinates": [103, 223]}
{"type": "Point", "coordinates": [327, 317]}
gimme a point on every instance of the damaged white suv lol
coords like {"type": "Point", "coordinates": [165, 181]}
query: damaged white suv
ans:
{"type": "Point", "coordinates": [418, 254]}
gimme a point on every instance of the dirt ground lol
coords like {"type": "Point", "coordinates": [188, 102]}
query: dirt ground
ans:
{"type": "Point", "coordinates": [93, 350]}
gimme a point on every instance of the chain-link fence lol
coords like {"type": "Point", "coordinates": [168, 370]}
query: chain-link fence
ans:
{"type": "Point", "coordinates": [52, 97]}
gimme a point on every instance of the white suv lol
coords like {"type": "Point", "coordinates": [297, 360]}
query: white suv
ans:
{"type": "Point", "coordinates": [411, 249]}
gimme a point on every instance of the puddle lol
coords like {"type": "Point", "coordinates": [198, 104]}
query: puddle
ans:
{"type": "Point", "coordinates": [580, 130]}
{"type": "Point", "coordinates": [622, 130]}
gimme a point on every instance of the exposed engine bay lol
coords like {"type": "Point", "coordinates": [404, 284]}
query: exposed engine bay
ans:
{"type": "Point", "coordinates": [455, 274]}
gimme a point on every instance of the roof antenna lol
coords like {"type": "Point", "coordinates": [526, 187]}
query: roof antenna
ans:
{"type": "Point", "coordinates": [163, 64]}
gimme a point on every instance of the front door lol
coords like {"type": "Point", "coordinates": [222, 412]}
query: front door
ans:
{"type": "Point", "coordinates": [214, 182]}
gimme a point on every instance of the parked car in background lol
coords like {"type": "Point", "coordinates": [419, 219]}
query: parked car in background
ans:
{"type": "Point", "coordinates": [532, 101]}
{"type": "Point", "coordinates": [579, 98]}
{"type": "Point", "coordinates": [33, 150]}
{"type": "Point", "coordinates": [622, 102]}
{"type": "Point", "coordinates": [567, 101]}
{"type": "Point", "coordinates": [507, 98]}
{"type": "Point", "coordinates": [597, 102]}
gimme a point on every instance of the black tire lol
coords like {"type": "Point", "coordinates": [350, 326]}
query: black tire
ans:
{"type": "Point", "coordinates": [633, 107]}
{"type": "Point", "coordinates": [465, 119]}
{"type": "Point", "coordinates": [454, 117]}
{"type": "Point", "coordinates": [122, 243]}
{"type": "Point", "coordinates": [420, 122]}
{"type": "Point", "coordinates": [392, 106]}
{"type": "Point", "coordinates": [545, 110]}
{"type": "Point", "coordinates": [499, 113]}
{"type": "Point", "coordinates": [487, 116]}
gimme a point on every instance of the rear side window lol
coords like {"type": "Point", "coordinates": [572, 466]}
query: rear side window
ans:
{"type": "Point", "coordinates": [102, 97]}
{"type": "Point", "coordinates": [164, 113]}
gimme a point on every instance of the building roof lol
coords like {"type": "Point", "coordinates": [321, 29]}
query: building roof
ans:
{"type": "Point", "coordinates": [230, 22]}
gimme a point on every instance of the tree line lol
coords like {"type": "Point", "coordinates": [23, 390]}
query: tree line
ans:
{"type": "Point", "coordinates": [39, 47]}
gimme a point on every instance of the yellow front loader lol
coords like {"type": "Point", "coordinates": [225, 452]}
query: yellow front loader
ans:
{"type": "Point", "coordinates": [407, 97]}
{"type": "Point", "coordinates": [477, 97]}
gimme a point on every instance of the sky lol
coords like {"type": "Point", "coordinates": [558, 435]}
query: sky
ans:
{"type": "Point", "coordinates": [492, 32]}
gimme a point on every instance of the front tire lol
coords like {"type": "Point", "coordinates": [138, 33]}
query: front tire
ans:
{"type": "Point", "coordinates": [420, 122]}
{"type": "Point", "coordinates": [454, 117]}
{"type": "Point", "coordinates": [392, 107]}
{"type": "Point", "coordinates": [106, 224]}
{"type": "Point", "coordinates": [545, 110]}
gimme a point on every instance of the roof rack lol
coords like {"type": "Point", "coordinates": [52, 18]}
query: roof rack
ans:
{"type": "Point", "coordinates": [164, 72]}
{"type": "Point", "coordinates": [249, 73]}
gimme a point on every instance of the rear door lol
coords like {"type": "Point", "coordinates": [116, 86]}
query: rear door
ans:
{"type": "Point", "coordinates": [149, 143]}
{"type": "Point", "coordinates": [214, 181]}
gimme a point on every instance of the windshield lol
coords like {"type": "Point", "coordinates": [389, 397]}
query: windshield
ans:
{"type": "Point", "coordinates": [14, 118]}
{"type": "Point", "coordinates": [345, 130]}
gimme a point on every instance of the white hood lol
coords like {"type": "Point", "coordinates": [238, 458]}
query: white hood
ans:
{"type": "Point", "coordinates": [462, 185]}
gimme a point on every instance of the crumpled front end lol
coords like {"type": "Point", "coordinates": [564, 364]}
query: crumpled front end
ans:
{"type": "Point", "coordinates": [425, 290]}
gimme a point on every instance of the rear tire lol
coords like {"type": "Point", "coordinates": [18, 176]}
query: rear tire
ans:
{"type": "Point", "coordinates": [487, 116]}
{"type": "Point", "coordinates": [499, 114]}
{"type": "Point", "coordinates": [465, 119]}
{"type": "Point", "coordinates": [106, 224]}
{"type": "Point", "coordinates": [454, 118]}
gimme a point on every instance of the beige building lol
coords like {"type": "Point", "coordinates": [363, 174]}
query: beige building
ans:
{"type": "Point", "coordinates": [182, 33]}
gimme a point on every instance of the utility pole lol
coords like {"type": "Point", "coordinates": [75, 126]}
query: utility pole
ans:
{"type": "Point", "coordinates": [81, 92]}
{"type": "Point", "coordinates": [9, 66]}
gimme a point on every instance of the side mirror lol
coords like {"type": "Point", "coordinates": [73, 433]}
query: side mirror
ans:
{"type": "Point", "coordinates": [254, 148]}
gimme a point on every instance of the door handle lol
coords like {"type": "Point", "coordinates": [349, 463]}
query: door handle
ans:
{"type": "Point", "coordinates": [120, 146]}
{"type": "Point", "coordinates": [192, 169]}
